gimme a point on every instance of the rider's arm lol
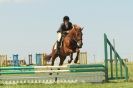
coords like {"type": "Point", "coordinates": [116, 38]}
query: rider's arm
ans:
{"type": "Point", "coordinates": [60, 28]}
{"type": "Point", "coordinates": [70, 25]}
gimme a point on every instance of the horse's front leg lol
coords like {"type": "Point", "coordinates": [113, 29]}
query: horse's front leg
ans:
{"type": "Point", "coordinates": [77, 57]}
{"type": "Point", "coordinates": [62, 58]}
{"type": "Point", "coordinates": [67, 48]}
{"type": "Point", "coordinates": [71, 58]}
{"type": "Point", "coordinates": [68, 51]}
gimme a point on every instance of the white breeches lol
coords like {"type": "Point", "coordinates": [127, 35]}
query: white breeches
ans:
{"type": "Point", "coordinates": [59, 36]}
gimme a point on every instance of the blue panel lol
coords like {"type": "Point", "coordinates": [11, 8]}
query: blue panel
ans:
{"type": "Point", "coordinates": [15, 60]}
{"type": "Point", "coordinates": [38, 59]}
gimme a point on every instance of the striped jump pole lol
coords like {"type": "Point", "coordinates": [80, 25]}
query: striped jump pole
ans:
{"type": "Point", "coordinates": [58, 74]}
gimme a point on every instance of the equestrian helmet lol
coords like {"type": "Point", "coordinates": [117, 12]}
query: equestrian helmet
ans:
{"type": "Point", "coordinates": [66, 18]}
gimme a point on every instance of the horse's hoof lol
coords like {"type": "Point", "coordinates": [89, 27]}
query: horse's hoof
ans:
{"type": "Point", "coordinates": [75, 62]}
{"type": "Point", "coordinates": [50, 73]}
{"type": "Point", "coordinates": [69, 61]}
{"type": "Point", "coordinates": [58, 69]}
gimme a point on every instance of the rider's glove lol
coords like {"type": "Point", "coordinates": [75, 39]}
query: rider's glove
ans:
{"type": "Point", "coordinates": [67, 31]}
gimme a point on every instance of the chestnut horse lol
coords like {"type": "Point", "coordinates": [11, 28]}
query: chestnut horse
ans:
{"type": "Point", "coordinates": [72, 42]}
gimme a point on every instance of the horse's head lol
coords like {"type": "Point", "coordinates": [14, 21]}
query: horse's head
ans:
{"type": "Point", "coordinates": [78, 35]}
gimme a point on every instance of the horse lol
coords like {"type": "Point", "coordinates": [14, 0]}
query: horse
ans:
{"type": "Point", "coordinates": [71, 43]}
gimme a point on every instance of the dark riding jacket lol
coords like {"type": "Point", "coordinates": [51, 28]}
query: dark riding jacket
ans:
{"type": "Point", "coordinates": [64, 28]}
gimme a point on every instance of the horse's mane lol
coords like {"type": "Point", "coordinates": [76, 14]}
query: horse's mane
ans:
{"type": "Point", "coordinates": [73, 30]}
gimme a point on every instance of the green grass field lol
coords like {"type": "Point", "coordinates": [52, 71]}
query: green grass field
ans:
{"type": "Point", "coordinates": [82, 85]}
{"type": "Point", "coordinates": [112, 84]}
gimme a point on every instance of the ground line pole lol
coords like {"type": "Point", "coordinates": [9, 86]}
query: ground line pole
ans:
{"type": "Point", "coordinates": [106, 57]}
{"type": "Point", "coordinates": [111, 63]}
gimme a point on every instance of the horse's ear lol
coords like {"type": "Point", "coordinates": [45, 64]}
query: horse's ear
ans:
{"type": "Point", "coordinates": [82, 28]}
{"type": "Point", "coordinates": [73, 27]}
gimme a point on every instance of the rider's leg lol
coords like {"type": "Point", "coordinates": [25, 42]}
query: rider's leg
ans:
{"type": "Point", "coordinates": [58, 42]}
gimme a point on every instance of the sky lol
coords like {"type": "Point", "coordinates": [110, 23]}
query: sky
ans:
{"type": "Point", "coordinates": [29, 26]}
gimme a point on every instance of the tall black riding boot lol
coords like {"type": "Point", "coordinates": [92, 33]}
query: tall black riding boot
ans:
{"type": "Point", "coordinates": [58, 47]}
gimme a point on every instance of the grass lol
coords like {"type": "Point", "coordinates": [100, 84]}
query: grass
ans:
{"type": "Point", "coordinates": [112, 84]}
{"type": "Point", "coordinates": [81, 85]}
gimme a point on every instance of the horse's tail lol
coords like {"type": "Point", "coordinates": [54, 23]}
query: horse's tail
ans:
{"type": "Point", "coordinates": [48, 57]}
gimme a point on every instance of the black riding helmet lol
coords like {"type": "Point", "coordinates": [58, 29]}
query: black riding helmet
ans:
{"type": "Point", "coordinates": [66, 18]}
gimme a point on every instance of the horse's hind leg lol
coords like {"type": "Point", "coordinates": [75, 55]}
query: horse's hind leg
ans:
{"type": "Point", "coordinates": [53, 59]}
{"type": "Point", "coordinates": [71, 58]}
{"type": "Point", "coordinates": [77, 57]}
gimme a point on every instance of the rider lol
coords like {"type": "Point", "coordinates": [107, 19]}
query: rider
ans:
{"type": "Point", "coordinates": [66, 26]}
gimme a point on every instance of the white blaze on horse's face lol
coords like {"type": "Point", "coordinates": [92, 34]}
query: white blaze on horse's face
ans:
{"type": "Point", "coordinates": [79, 44]}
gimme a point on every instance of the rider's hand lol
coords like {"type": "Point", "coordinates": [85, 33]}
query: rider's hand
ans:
{"type": "Point", "coordinates": [67, 31]}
